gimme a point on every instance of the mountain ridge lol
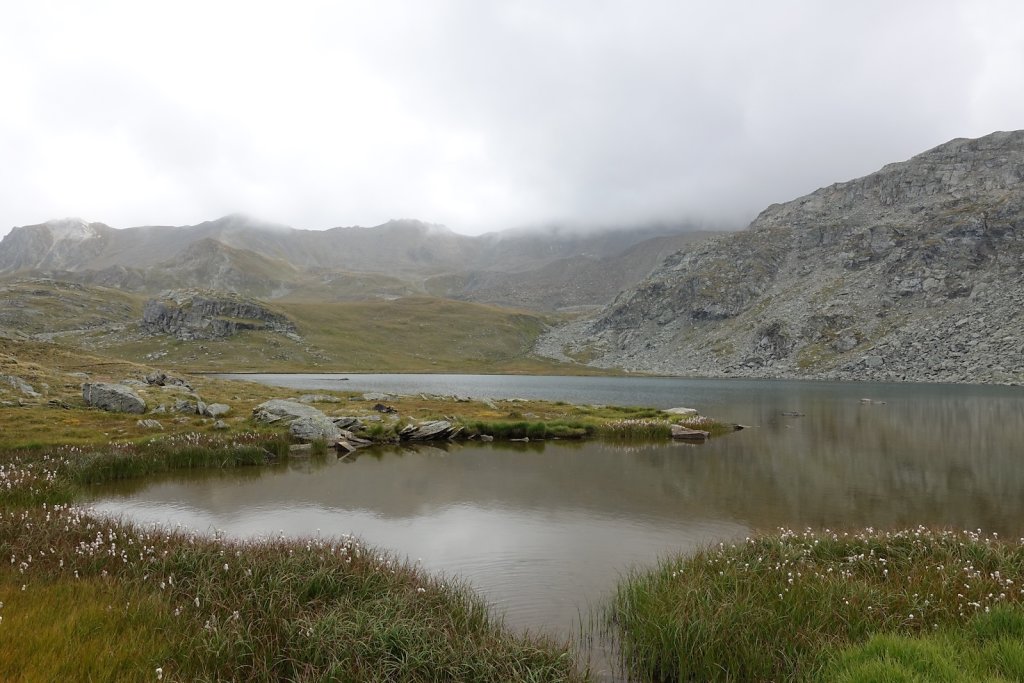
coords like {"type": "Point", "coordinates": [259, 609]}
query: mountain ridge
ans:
{"type": "Point", "coordinates": [399, 257]}
{"type": "Point", "coordinates": [914, 272]}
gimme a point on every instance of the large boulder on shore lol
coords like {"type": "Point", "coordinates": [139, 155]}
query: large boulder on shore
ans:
{"type": "Point", "coordinates": [280, 409]}
{"type": "Point", "coordinates": [436, 430]}
{"type": "Point", "coordinates": [117, 398]}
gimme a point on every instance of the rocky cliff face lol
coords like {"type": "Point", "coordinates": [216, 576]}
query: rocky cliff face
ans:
{"type": "Point", "coordinates": [191, 315]}
{"type": "Point", "coordinates": [915, 272]}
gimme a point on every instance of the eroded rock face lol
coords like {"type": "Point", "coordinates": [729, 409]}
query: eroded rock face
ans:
{"type": "Point", "coordinates": [915, 272]}
{"type": "Point", "coordinates": [190, 315]}
{"type": "Point", "coordinates": [117, 398]}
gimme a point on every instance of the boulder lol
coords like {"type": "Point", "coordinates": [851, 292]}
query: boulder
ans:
{"type": "Point", "coordinates": [377, 396]}
{"type": "Point", "coordinates": [686, 434]}
{"type": "Point", "coordinates": [183, 406]}
{"type": "Point", "coordinates": [217, 410]}
{"type": "Point", "coordinates": [117, 398]}
{"type": "Point", "coordinates": [149, 424]}
{"type": "Point", "coordinates": [314, 428]}
{"type": "Point", "coordinates": [160, 378]}
{"type": "Point", "coordinates": [220, 424]}
{"type": "Point", "coordinates": [280, 409]}
{"type": "Point", "coordinates": [435, 430]}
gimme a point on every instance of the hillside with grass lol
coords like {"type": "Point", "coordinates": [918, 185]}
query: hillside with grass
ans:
{"type": "Point", "coordinates": [405, 334]}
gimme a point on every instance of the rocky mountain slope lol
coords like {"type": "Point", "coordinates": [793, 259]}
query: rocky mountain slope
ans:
{"type": "Point", "coordinates": [400, 258]}
{"type": "Point", "coordinates": [915, 272]}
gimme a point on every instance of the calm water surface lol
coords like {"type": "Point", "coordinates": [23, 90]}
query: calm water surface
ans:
{"type": "Point", "coordinates": [545, 530]}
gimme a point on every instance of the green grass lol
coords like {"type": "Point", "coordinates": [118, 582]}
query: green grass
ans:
{"type": "Point", "coordinates": [989, 648]}
{"type": "Point", "coordinates": [782, 608]}
{"type": "Point", "coordinates": [520, 429]}
{"type": "Point", "coordinates": [409, 334]}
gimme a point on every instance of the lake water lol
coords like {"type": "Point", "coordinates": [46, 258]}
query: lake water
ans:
{"type": "Point", "coordinates": [544, 530]}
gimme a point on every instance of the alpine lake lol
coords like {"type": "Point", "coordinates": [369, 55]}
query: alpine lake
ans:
{"type": "Point", "coordinates": [544, 530]}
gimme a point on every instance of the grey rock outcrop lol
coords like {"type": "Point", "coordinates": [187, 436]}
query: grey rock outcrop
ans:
{"type": "Point", "coordinates": [183, 406]}
{"type": "Point", "coordinates": [20, 384]}
{"type": "Point", "coordinates": [116, 398]}
{"type": "Point", "coordinates": [436, 430]}
{"type": "Point", "coordinates": [305, 422]}
{"type": "Point", "coordinates": [915, 272]}
{"type": "Point", "coordinates": [217, 410]}
{"type": "Point", "coordinates": [277, 409]}
{"type": "Point", "coordinates": [191, 315]}
{"type": "Point", "coordinates": [315, 428]}
{"type": "Point", "coordinates": [160, 378]}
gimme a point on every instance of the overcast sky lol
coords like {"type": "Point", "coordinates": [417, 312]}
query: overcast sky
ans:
{"type": "Point", "coordinates": [481, 115]}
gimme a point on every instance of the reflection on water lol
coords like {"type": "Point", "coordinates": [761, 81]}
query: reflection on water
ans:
{"type": "Point", "coordinates": [544, 530]}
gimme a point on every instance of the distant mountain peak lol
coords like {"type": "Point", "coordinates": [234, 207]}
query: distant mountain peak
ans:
{"type": "Point", "coordinates": [242, 221]}
{"type": "Point", "coordinates": [71, 229]}
{"type": "Point", "coordinates": [416, 224]}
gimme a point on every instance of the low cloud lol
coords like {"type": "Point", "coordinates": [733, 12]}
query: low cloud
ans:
{"type": "Point", "coordinates": [482, 115]}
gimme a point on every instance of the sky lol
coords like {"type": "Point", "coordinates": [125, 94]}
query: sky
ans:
{"type": "Point", "coordinates": [482, 114]}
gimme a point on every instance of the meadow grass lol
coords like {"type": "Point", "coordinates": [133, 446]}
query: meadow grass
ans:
{"type": "Point", "coordinates": [784, 607]}
{"type": "Point", "coordinates": [87, 629]}
{"type": "Point", "coordinates": [990, 647]}
{"type": "Point", "coordinates": [408, 334]}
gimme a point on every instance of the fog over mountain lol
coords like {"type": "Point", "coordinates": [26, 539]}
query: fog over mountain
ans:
{"type": "Point", "coordinates": [482, 115]}
{"type": "Point", "coordinates": [545, 269]}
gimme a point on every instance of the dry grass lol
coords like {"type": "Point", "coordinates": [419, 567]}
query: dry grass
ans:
{"type": "Point", "coordinates": [93, 629]}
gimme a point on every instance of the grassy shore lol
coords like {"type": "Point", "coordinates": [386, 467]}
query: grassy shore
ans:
{"type": "Point", "coordinates": [147, 603]}
{"type": "Point", "coordinates": [916, 605]}
{"type": "Point", "coordinates": [59, 416]}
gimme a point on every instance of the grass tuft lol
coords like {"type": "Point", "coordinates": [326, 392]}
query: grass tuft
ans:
{"type": "Point", "coordinates": [781, 607]}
